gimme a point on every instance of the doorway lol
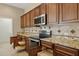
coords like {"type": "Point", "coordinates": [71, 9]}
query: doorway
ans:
{"type": "Point", "coordinates": [5, 29]}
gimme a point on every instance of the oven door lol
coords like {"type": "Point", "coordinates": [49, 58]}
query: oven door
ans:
{"type": "Point", "coordinates": [34, 42]}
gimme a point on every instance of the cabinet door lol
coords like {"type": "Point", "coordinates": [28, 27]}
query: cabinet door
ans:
{"type": "Point", "coordinates": [22, 21]}
{"type": "Point", "coordinates": [27, 20]}
{"type": "Point", "coordinates": [32, 18]}
{"type": "Point", "coordinates": [69, 12]}
{"type": "Point", "coordinates": [36, 11]}
{"type": "Point", "coordinates": [78, 11]}
{"type": "Point", "coordinates": [52, 13]}
{"type": "Point", "coordinates": [47, 44]}
{"type": "Point", "coordinates": [61, 50]}
{"type": "Point", "coordinates": [43, 8]}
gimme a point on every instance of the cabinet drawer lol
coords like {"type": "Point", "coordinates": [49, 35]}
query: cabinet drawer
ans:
{"type": "Point", "coordinates": [47, 44]}
{"type": "Point", "coordinates": [66, 50]}
{"type": "Point", "coordinates": [57, 53]}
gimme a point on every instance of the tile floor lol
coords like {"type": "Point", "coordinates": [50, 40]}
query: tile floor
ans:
{"type": "Point", "coordinates": [7, 50]}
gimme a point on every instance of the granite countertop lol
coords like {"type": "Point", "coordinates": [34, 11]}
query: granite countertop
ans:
{"type": "Point", "coordinates": [74, 43]}
{"type": "Point", "coordinates": [28, 34]}
{"type": "Point", "coordinates": [66, 41]}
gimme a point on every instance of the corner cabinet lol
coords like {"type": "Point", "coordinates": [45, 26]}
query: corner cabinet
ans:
{"type": "Point", "coordinates": [52, 13]}
{"type": "Point", "coordinates": [68, 12]}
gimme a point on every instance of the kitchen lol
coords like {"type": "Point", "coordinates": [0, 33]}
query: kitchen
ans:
{"type": "Point", "coordinates": [49, 28]}
{"type": "Point", "coordinates": [61, 20]}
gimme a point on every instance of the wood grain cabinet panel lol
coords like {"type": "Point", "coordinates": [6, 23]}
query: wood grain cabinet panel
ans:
{"type": "Point", "coordinates": [52, 13]}
{"type": "Point", "coordinates": [27, 20]}
{"type": "Point", "coordinates": [32, 17]}
{"type": "Point", "coordinates": [47, 44]}
{"type": "Point", "coordinates": [36, 11]}
{"type": "Point", "coordinates": [78, 11]}
{"type": "Point", "coordinates": [69, 12]}
{"type": "Point", "coordinates": [60, 50]}
{"type": "Point", "coordinates": [43, 8]}
{"type": "Point", "coordinates": [22, 21]}
{"type": "Point", "coordinates": [56, 13]}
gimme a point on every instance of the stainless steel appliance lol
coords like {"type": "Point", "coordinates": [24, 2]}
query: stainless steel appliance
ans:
{"type": "Point", "coordinates": [35, 40]}
{"type": "Point", "coordinates": [40, 20]}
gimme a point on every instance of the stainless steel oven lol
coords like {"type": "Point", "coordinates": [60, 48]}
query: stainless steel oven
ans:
{"type": "Point", "coordinates": [35, 40]}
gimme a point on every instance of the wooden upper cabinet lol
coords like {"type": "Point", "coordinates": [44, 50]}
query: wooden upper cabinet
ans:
{"type": "Point", "coordinates": [78, 11]}
{"type": "Point", "coordinates": [22, 21]}
{"type": "Point", "coordinates": [32, 17]}
{"type": "Point", "coordinates": [27, 20]}
{"type": "Point", "coordinates": [69, 12]}
{"type": "Point", "coordinates": [36, 11]}
{"type": "Point", "coordinates": [42, 8]}
{"type": "Point", "coordinates": [52, 13]}
{"type": "Point", "coordinates": [56, 13]}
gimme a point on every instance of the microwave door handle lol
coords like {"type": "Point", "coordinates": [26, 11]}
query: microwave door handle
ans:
{"type": "Point", "coordinates": [42, 20]}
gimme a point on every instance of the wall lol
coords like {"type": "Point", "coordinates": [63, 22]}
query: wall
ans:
{"type": "Point", "coordinates": [5, 29]}
{"type": "Point", "coordinates": [13, 13]}
{"type": "Point", "coordinates": [32, 5]}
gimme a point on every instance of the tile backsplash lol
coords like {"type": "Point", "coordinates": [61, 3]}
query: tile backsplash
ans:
{"type": "Point", "coordinates": [32, 29]}
{"type": "Point", "coordinates": [66, 29]}
{"type": "Point", "coordinates": [71, 29]}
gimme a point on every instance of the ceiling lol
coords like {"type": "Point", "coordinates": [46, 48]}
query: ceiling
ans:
{"type": "Point", "coordinates": [23, 5]}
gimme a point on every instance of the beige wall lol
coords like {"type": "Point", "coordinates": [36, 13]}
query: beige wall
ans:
{"type": "Point", "coordinates": [14, 13]}
{"type": "Point", "coordinates": [33, 5]}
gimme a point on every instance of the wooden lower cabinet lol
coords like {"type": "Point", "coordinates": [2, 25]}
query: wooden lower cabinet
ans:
{"type": "Point", "coordinates": [33, 51]}
{"type": "Point", "coordinates": [47, 44]}
{"type": "Point", "coordinates": [60, 50]}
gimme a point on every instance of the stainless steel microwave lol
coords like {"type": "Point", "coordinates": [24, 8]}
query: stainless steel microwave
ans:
{"type": "Point", "coordinates": [40, 20]}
